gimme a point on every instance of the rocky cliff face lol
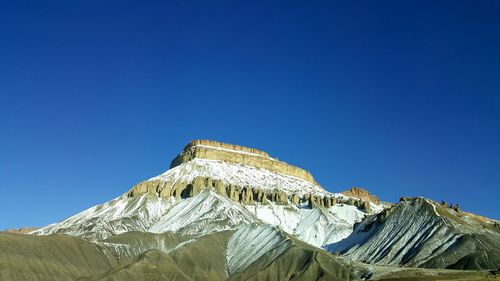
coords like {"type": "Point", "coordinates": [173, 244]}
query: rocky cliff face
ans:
{"type": "Point", "coordinates": [246, 190]}
{"type": "Point", "coordinates": [241, 194]}
{"type": "Point", "coordinates": [230, 153]}
{"type": "Point", "coordinates": [362, 194]}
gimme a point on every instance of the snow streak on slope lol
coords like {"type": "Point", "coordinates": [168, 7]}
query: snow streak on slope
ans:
{"type": "Point", "coordinates": [319, 227]}
{"type": "Point", "coordinates": [286, 217]}
{"type": "Point", "coordinates": [411, 234]}
{"type": "Point", "coordinates": [315, 226]}
{"type": "Point", "coordinates": [250, 243]}
{"type": "Point", "coordinates": [240, 175]}
{"type": "Point", "coordinates": [117, 216]}
{"type": "Point", "coordinates": [206, 212]}
{"type": "Point", "coordinates": [350, 213]}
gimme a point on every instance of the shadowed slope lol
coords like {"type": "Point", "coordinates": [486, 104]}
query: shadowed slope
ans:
{"type": "Point", "coordinates": [420, 232]}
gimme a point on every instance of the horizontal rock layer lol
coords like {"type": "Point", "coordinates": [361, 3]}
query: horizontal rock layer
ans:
{"type": "Point", "coordinates": [236, 154]}
{"type": "Point", "coordinates": [244, 195]}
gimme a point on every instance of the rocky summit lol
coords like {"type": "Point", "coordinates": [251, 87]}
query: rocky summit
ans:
{"type": "Point", "coordinates": [230, 153]}
{"type": "Point", "coordinates": [229, 212]}
{"type": "Point", "coordinates": [243, 174]}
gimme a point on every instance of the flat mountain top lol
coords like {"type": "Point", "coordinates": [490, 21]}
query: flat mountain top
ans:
{"type": "Point", "coordinates": [236, 154]}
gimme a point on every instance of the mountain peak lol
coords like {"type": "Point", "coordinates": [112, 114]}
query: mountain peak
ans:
{"type": "Point", "coordinates": [243, 174]}
{"type": "Point", "coordinates": [237, 154]}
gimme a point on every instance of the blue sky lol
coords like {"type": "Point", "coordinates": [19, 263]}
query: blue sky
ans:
{"type": "Point", "coordinates": [398, 97]}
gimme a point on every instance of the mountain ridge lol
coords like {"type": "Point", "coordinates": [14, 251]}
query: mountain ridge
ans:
{"type": "Point", "coordinates": [230, 220]}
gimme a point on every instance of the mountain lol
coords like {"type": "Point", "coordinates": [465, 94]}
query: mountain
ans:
{"type": "Point", "coordinates": [228, 212]}
{"type": "Point", "coordinates": [419, 232]}
{"type": "Point", "coordinates": [213, 186]}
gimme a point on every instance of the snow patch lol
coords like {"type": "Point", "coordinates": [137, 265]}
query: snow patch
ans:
{"type": "Point", "coordinates": [319, 227]}
{"type": "Point", "coordinates": [348, 213]}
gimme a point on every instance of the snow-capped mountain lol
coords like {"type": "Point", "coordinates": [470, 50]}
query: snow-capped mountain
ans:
{"type": "Point", "coordinates": [239, 214]}
{"type": "Point", "coordinates": [229, 187]}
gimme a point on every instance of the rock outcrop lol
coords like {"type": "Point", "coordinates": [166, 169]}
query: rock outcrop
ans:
{"type": "Point", "coordinates": [230, 153]}
{"type": "Point", "coordinates": [245, 194]}
{"type": "Point", "coordinates": [241, 194]}
{"type": "Point", "coordinates": [362, 194]}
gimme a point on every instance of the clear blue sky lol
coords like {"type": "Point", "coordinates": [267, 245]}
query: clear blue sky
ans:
{"type": "Point", "coordinates": [399, 97]}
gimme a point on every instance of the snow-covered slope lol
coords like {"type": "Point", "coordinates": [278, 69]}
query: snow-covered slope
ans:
{"type": "Point", "coordinates": [205, 213]}
{"type": "Point", "coordinates": [294, 204]}
{"type": "Point", "coordinates": [398, 238]}
{"type": "Point", "coordinates": [320, 227]}
{"type": "Point", "coordinates": [316, 226]}
{"type": "Point", "coordinates": [239, 175]}
{"type": "Point", "coordinates": [117, 216]}
{"type": "Point", "coordinates": [419, 232]}
{"type": "Point", "coordinates": [250, 243]}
